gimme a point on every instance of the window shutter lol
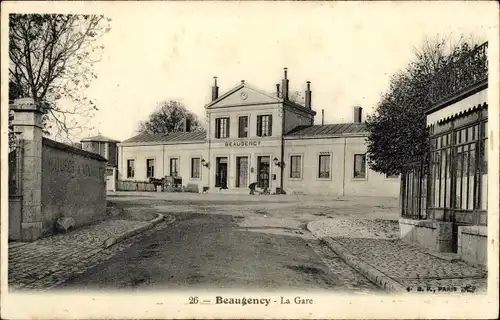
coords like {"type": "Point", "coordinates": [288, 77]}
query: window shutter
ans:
{"type": "Point", "coordinates": [227, 127]}
{"type": "Point", "coordinates": [270, 124]}
{"type": "Point", "coordinates": [259, 126]}
{"type": "Point", "coordinates": [217, 128]}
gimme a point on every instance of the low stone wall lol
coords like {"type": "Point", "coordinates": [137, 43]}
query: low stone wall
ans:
{"type": "Point", "coordinates": [73, 185]}
{"type": "Point", "coordinates": [430, 234]}
{"type": "Point", "coordinates": [473, 244]}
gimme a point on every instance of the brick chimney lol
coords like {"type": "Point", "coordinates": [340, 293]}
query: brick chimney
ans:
{"type": "Point", "coordinates": [215, 90]}
{"type": "Point", "coordinates": [285, 85]}
{"type": "Point", "coordinates": [308, 95]}
{"type": "Point", "coordinates": [187, 125]}
{"type": "Point", "coordinates": [357, 114]}
{"type": "Point", "coordinates": [278, 90]}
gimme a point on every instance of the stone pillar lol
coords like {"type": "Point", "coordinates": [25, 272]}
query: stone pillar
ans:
{"type": "Point", "coordinates": [444, 239]}
{"type": "Point", "coordinates": [27, 124]}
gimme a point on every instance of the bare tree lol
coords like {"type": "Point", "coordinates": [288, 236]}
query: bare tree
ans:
{"type": "Point", "coordinates": [51, 60]}
{"type": "Point", "coordinates": [169, 117]}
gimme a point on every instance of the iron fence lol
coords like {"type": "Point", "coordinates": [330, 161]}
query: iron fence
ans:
{"type": "Point", "coordinates": [15, 167]}
{"type": "Point", "coordinates": [414, 190]}
{"type": "Point", "coordinates": [461, 74]}
{"type": "Point", "coordinates": [123, 185]}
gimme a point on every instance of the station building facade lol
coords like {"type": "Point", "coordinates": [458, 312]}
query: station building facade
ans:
{"type": "Point", "coordinates": [257, 137]}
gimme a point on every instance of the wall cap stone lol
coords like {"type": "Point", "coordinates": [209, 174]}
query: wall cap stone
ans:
{"type": "Point", "coordinates": [61, 146]}
{"type": "Point", "coordinates": [474, 230]}
{"type": "Point", "coordinates": [420, 223]}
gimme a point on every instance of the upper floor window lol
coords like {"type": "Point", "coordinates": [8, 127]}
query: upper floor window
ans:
{"type": "Point", "coordinates": [174, 167]}
{"type": "Point", "coordinates": [130, 168]}
{"type": "Point", "coordinates": [295, 167]}
{"type": "Point", "coordinates": [243, 127]}
{"type": "Point", "coordinates": [195, 167]}
{"type": "Point", "coordinates": [324, 166]}
{"type": "Point", "coordinates": [150, 168]}
{"type": "Point", "coordinates": [264, 125]}
{"type": "Point", "coordinates": [360, 166]}
{"type": "Point", "coordinates": [221, 128]}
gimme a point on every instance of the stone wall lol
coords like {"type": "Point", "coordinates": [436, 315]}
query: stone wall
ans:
{"type": "Point", "coordinates": [73, 185]}
{"type": "Point", "coordinates": [430, 234]}
{"type": "Point", "coordinates": [473, 244]}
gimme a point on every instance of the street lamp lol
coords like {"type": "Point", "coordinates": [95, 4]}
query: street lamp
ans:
{"type": "Point", "coordinates": [277, 162]}
{"type": "Point", "coordinates": [205, 163]}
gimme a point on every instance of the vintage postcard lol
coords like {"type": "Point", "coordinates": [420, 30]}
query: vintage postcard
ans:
{"type": "Point", "coordinates": [249, 159]}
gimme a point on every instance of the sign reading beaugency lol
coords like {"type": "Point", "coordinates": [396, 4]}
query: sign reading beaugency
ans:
{"type": "Point", "coordinates": [243, 143]}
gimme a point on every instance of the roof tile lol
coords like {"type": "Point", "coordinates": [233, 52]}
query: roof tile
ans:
{"type": "Point", "coordinates": [327, 130]}
{"type": "Point", "coordinates": [172, 137]}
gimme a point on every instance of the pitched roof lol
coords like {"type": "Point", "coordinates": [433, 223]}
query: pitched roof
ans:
{"type": "Point", "coordinates": [172, 137]}
{"type": "Point", "coordinates": [238, 87]}
{"type": "Point", "coordinates": [98, 138]}
{"type": "Point", "coordinates": [327, 130]}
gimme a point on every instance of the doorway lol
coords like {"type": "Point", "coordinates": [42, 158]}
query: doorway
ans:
{"type": "Point", "coordinates": [241, 172]}
{"type": "Point", "coordinates": [221, 172]}
{"type": "Point", "coordinates": [263, 171]}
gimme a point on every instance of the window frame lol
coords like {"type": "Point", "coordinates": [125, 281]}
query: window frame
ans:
{"type": "Point", "coordinates": [330, 159]}
{"type": "Point", "coordinates": [170, 166]}
{"type": "Point", "coordinates": [246, 133]}
{"type": "Point", "coordinates": [147, 167]}
{"type": "Point", "coordinates": [191, 168]}
{"type": "Point", "coordinates": [301, 166]}
{"type": "Point", "coordinates": [218, 127]}
{"type": "Point", "coordinates": [260, 117]}
{"type": "Point", "coordinates": [131, 176]}
{"type": "Point", "coordinates": [365, 177]}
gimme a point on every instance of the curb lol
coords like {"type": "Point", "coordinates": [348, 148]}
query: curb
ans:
{"type": "Point", "coordinates": [362, 267]}
{"type": "Point", "coordinates": [132, 232]}
{"type": "Point", "coordinates": [365, 269]}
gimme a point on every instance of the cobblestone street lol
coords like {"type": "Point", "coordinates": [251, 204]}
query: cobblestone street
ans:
{"type": "Point", "coordinates": [51, 261]}
{"type": "Point", "coordinates": [375, 242]}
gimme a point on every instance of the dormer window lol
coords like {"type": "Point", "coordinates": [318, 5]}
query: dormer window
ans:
{"type": "Point", "coordinates": [264, 125]}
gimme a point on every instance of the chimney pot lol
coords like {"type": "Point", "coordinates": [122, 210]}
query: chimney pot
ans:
{"type": "Point", "coordinates": [284, 89]}
{"type": "Point", "coordinates": [215, 90]}
{"type": "Point", "coordinates": [322, 117]}
{"type": "Point", "coordinates": [308, 95]}
{"type": "Point", "coordinates": [243, 81]}
{"type": "Point", "coordinates": [358, 114]}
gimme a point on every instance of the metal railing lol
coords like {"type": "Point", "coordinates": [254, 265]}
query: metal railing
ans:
{"type": "Point", "coordinates": [15, 168]}
{"type": "Point", "coordinates": [414, 190]}
{"type": "Point", "coordinates": [460, 75]}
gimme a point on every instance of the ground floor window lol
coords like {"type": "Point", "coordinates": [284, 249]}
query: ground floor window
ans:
{"type": "Point", "coordinates": [195, 168]}
{"type": "Point", "coordinates": [130, 168]}
{"type": "Point", "coordinates": [295, 167]}
{"type": "Point", "coordinates": [360, 166]}
{"type": "Point", "coordinates": [174, 167]}
{"type": "Point", "coordinates": [150, 168]}
{"type": "Point", "coordinates": [324, 166]}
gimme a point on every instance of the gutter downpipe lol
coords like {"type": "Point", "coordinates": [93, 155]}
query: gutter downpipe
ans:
{"type": "Point", "coordinates": [163, 162]}
{"type": "Point", "coordinates": [209, 155]}
{"type": "Point", "coordinates": [344, 171]}
{"type": "Point", "coordinates": [282, 148]}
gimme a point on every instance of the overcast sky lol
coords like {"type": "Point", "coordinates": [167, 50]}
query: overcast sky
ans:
{"type": "Point", "coordinates": [159, 51]}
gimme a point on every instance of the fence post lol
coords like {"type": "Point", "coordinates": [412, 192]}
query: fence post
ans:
{"type": "Point", "coordinates": [27, 124]}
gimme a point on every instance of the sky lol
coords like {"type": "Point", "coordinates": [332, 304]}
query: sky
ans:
{"type": "Point", "coordinates": [172, 51]}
